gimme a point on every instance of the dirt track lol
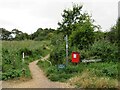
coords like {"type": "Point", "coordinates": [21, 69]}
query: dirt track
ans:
{"type": "Point", "coordinates": [38, 80]}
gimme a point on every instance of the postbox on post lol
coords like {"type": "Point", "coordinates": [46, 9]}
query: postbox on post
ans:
{"type": "Point", "coordinates": [75, 57]}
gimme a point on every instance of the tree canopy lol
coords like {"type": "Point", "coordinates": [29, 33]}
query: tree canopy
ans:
{"type": "Point", "coordinates": [78, 25]}
{"type": "Point", "coordinates": [70, 17]}
{"type": "Point", "coordinates": [5, 34]}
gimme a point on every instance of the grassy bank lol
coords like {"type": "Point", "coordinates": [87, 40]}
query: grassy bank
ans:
{"type": "Point", "coordinates": [92, 75]}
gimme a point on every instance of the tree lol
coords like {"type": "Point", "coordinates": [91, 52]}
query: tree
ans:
{"type": "Point", "coordinates": [19, 35]}
{"type": "Point", "coordinates": [5, 34]}
{"type": "Point", "coordinates": [23, 36]}
{"type": "Point", "coordinates": [16, 32]}
{"type": "Point", "coordinates": [79, 26]}
{"type": "Point", "coordinates": [70, 17]}
{"type": "Point", "coordinates": [99, 35]}
{"type": "Point", "coordinates": [112, 35]}
{"type": "Point", "coordinates": [42, 34]}
{"type": "Point", "coordinates": [83, 36]}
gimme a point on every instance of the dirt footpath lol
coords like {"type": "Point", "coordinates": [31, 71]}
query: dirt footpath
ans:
{"type": "Point", "coordinates": [38, 80]}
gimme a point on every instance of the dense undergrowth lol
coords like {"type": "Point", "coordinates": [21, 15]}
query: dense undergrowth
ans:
{"type": "Point", "coordinates": [107, 70]}
{"type": "Point", "coordinates": [12, 63]}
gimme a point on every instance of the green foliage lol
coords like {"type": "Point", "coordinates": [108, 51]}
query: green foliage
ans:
{"type": "Point", "coordinates": [79, 26]}
{"type": "Point", "coordinates": [70, 17]}
{"type": "Point", "coordinates": [19, 35]}
{"type": "Point", "coordinates": [43, 64]}
{"type": "Point", "coordinates": [57, 39]}
{"type": "Point", "coordinates": [82, 37]}
{"type": "Point", "coordinates": [11, 74]}
{"type": "Point", "coordinates": [112, 35]}
{"type": "Point", "coordinates": [57, 75]}
{"type": "Point", "coordinates": [42, 34]}
{"type": "Point", "coordinates": [109, 69]}
{"type": "Point", "coordinates": [15, 34]}
{"type": "Point", "coordinates": [5, 34]}
{"type": "Point", "coordinates": [22, 36]}
{"type": "Point", "coordinates": [100, 50]}
{"type": "Point", "coordinates": [57, 55]}
{"type": "Point", "coordinates": [99, 35]}
{"type": "Point", "coordinates": [86, 54]}
{"type": "Point", "coordinates": [12, 64]}
{"type": "Point", "coordinates": [104, 50]}
{"type": "Point", "coordinates": [106, 69]}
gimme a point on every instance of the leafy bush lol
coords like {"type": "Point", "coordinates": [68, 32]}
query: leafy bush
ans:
{"type": "Point", "coordinates": [57, 55]}
{"type": "Point", "coordinates": [85, 54]}
{"type": "Point", "coordinates": [11, 74]}
{"type": "Point", "coordinates": [43, 64]}
{"type": "Point", "coordinates": [83, 36]}
{"type": "Point", "coordinates": [54, 77]}
{"type": "Point", "coordinates": [108, 69]}
{"type": "Point", "coordinates": [26, 51]}
{"type": "Point", "coordinates": [105, 50]}
{"type": "Point", "coordinates": [101, 69]}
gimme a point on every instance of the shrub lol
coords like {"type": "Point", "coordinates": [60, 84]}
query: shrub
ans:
{"type": "Point", "coordinates": [57, 55]}
{"type": "Point", "coordinates": [85, 54]}
{"type": "Point", "coordinates": [11, 74]}
{"type": "Point", "coordinates": [105, 50]}
{"type": "Point", "coordinates": [54, 77]}
{"type": "Point", "coordinates": [83, 36]}
{"type": "Point", "coordinates": [108, 69]}
{"type": "Point", "coordinates": [26, 51]}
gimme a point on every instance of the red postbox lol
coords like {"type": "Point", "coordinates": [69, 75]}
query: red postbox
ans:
{"type": "Point", "coordinates": [75, 57]}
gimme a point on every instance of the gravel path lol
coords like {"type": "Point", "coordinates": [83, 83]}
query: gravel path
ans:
{"type": "Point", "coordinates": [38, 80]}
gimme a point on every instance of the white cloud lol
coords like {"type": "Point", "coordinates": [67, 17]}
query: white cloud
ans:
{"type": "Point", "coordinates": [29, 15]}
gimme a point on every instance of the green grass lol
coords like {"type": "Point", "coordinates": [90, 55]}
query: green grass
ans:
{"type": "Point", "coordinates": [12, 65]}
{"type": "Point", "coordinates": [98, 70]}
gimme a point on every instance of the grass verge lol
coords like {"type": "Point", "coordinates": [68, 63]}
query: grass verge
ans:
{"type": "Point", "coordinates": [92, 75]}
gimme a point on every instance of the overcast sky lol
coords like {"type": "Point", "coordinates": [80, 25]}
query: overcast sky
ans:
{"type": "Point", "coordinates": [29, 15]}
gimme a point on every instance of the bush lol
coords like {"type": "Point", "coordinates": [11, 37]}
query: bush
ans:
{"type": "Point", "coordinates": [105, 50]}
{"type": "Point", "coordinates": [58, 54]}
{"type": "Point", "coordinates": [54, 77]}
{"type": "Point", "coordinates": [11, 74]}
{"type": "Point", "coordinates": [108, 69]}
{"type": "Point", "coordinates": [44, 64]}
{"type": "Point", "coordinates": [26, 51]}
{"type": "Point", "coordinates": [85, 54]}
{"type": "Point", "coordinates": [101, 69]}
{"type": "Point", "coordinates": [83, 36]}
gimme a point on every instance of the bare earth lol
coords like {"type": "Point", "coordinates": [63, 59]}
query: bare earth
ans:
{"type": "Point", "coordinates": [38, 80]}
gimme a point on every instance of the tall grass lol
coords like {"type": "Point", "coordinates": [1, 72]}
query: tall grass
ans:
{"type": "Point", "coordinates": [12, 65]}
{"type": "Point", "coordinates": [87, 79]}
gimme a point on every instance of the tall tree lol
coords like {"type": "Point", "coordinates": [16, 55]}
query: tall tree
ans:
{"type": "Point", "coordinates": [78, 25]}
{"type": "Point", "coordinates": [70, 17]}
